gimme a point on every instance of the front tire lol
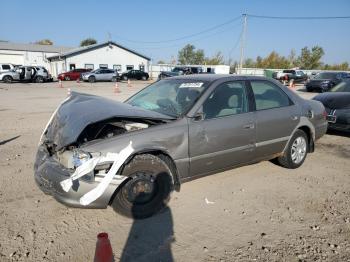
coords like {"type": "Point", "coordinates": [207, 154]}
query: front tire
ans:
{"type": "Point", "coordinates": [39, 79]}
{"type": "Point", "coordinates": [144, 78]}
{"type": "Point", "coordinates": [296, 151]}
{"type": "Point", "coordinates": [67, 78]}
{"type": "Point", "coordinates": [148, 189]}
{"type": "Point", "coordinates": [125, 78]}
{"type": "Point", "coordinates": [92, 79]}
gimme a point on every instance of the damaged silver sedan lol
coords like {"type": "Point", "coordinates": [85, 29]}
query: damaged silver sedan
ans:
{"type": "Point", "coordinates": [96, 152]}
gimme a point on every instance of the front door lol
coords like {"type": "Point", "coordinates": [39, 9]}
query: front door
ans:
{"type": "Point", "coordinates": [225, 135]}
{"type": "Point", "coordinates": [276, 117]}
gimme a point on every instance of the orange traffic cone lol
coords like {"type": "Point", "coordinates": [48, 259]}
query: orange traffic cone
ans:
{"type": "Point", "coordinates": [116, 88]}
{"type": "Point", "coordinates": [60, 85]}
{"type": "Point", "coordinates": [78, 80]}
{"type": "Point", "coordinates": [129, 83]}
{"type": "Point", "coordinates": [103, 252]}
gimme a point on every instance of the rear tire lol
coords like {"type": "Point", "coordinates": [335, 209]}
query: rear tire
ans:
{"type": "Point", "coordinates": [148, 189]}
{"type": "Point", "coordinates": [67, 78]}
{"type": "Point", "coordinates": [7, 79]}
{"type": "Point", "coordinates": [296, 151]}
{"type": "Point", "coordinates": [144, 78]}
{"type": "Point", "coordinates": [125, 78]}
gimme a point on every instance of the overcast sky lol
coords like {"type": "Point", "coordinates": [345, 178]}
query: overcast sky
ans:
{"type": "Point", "coordinates": [68, 22]}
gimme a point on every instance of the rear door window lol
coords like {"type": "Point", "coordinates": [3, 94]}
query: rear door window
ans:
{"type": "Point", "coordinates": [6, 67]}
{"type": "Point", "coordinates": [268, 95]}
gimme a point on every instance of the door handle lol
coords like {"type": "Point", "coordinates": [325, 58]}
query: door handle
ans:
{"type": "Point", "coordinates": [249, 126]}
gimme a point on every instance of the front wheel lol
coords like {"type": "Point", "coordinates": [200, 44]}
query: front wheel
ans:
{"type": "Point", "coordinates": [147, 190]}
{"type": "Point", "coordinates": [144, 78]}
{"type": "Point", "coordinates": [39, 79]}
{"type": "Point", "coordinates": [125, 78]}
{"type": "Point", "coordinates": [92, 79]}
{"type": "Point", "coordinates": [296, 151]}
{"type": "Point", "coordinates": [67, 78]}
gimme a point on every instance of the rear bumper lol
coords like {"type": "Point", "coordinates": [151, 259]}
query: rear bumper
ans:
{"type": "Point", "coordinates": [48, 174]}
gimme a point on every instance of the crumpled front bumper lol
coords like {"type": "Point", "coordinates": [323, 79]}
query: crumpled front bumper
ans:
{"type": "Point", "coordinates": [49, 173]}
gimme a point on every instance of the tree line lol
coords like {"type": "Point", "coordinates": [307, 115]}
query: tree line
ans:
{"type": "Point", "coordinates": [309, 58]}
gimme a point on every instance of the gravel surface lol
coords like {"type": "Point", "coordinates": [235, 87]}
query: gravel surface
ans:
{"type": "Point", "coordinates": [260, 212]}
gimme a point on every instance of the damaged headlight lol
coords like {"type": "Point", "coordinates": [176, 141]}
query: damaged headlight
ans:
{"type": "Point", "coordinates": [79, 157]}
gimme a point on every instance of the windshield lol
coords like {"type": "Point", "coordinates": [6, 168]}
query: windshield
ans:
{"type": "Point", "coordinates": [169, 97]}
{"type": "Point", "coordinates": [341, 87]}
{"type": "Point", "coordinates": [325, 76]}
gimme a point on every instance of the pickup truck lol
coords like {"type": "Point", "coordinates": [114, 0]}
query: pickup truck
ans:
{"type": "Point", "coordinates": [296, 75]}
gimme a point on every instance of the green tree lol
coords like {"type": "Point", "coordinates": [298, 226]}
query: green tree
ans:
{"type": "Point", "coordinates": [310, 59]}
{"type": "Point", "coordinates": [44, 42]}
{"type": "Point", "coordinates": [190, 56]}
{"type": "Point", "coordinates": [217, 59]}
{"type": "Point", "coordinates": [88, 41]}
{"type": "Point", "coordinates": [161, 62]}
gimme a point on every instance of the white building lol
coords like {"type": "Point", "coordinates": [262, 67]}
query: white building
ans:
{"type": "Point", "coordinates": [104, 55]}
{"type": "Point", "coordinates": [58, 59]}
{"type": "Point", "coordinates": [28, 54]}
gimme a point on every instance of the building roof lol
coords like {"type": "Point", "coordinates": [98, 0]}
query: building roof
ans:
{"type": "Point", "coordinates": [33, 47]}
{"type": "Point", "coordinates": [84, 49]}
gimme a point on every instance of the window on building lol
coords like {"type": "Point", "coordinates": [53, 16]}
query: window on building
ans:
{"type": "Point", "coordinates": [129, 67]}
{"type": "Point", "coordinates": [104, 66]}
{"type": "Point", "coordinates": [117, 67]}
{"type": "Point", "coordinates": [268, 95]}
{"type": "Point", "coordinates": [89, 66]}
{"type": "Point", "coordinates": [142, 68]}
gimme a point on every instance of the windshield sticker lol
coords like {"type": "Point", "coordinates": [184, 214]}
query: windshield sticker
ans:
{"type": "Point", "coordinates": [188, 85]}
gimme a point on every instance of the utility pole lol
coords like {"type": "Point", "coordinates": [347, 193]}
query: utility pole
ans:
{"type": "Point", "coordinates": [243, 42]}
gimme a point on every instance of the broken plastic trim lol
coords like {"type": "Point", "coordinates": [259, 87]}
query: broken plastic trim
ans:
{"type": "Point", "coordinates": [117, 159]}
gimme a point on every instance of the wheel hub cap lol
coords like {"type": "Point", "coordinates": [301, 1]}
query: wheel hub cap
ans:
{"type": "Point", "coordinates": [298, 150]}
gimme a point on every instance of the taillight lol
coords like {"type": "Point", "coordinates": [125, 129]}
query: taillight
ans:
{"type": "Point", "coordinates": [324, 114]}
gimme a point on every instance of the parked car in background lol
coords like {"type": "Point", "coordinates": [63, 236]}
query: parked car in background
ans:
{"type": "Point", "coordinates": [6, 67]}
{"type": "Point", "coordinates": [172, 131]}
{"type": "Point", "coordinates": [100, 74]}
{"type": "Point", "coordinates": [297, 75]}
{"type": "Point", "coordinates": [73, 74]}
{"type": "Point", "coordinates": [324, 81]}
{"type": "Point", "coordinates": [337, 104]}
{"type": "Point", "coordinates": [37, 74]}
{"type": "Point", "coordinates": [134, 74]}
{"type": "Point", "coordinates": [181, 70]}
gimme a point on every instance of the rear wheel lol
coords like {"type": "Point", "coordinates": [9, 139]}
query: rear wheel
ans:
{"type": "Point", "coordinates": [7, 79]}
{"type": "Point", "coordinates": [144, 78]}
{"type": "Point", "coordinates": [296, 151]}
{"type": "Point", "coordinates": [92, 79]}
{"type": "Point", "coordinates": [148, 189]}
{"type": "Point", "coordinates": [125, 78]}
{"type": "Point", "coordinates": [67, 78]}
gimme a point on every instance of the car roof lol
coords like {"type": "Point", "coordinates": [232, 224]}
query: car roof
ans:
{"type": "Point", "coordinates": [214, 77]}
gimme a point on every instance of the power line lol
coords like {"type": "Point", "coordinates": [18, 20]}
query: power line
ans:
{"type": "Point", "coordinates": [183, 37]}
{"type": "Point", "coordinates": [194, 40]}
{"type": "Point", "coordinates": [299, 17]}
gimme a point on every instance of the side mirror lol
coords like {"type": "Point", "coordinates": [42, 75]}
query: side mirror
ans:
{"type": "Point", "coordinates": [199, 116]}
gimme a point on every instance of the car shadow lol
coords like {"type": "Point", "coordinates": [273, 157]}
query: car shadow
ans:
{"type": "Point", "coordinates": [150, 239]}
{"type": "Point", "coordinates": [338, 133]}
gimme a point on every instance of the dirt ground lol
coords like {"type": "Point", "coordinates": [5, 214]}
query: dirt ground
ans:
{"type": "Point", "coordinates": [260, 212]}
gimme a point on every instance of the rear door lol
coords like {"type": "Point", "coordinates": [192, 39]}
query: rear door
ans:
{"type": "Point", "coordinates": [225, 135]}
{"type": "Point", "coordinates": [276, 118]}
